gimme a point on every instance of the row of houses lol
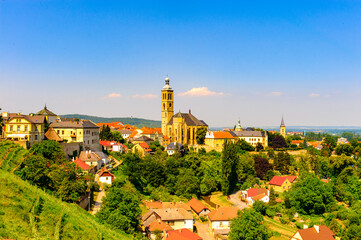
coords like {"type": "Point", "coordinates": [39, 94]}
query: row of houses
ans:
{"type": "Point", "coordinates": [29, 129]}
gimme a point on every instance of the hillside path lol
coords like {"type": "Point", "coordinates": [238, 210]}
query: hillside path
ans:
{"type": "Point", "coordinates": [203, 231]}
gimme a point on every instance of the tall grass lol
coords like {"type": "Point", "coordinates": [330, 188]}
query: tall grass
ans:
{"type": "Point", "coordinates": [27, 212]}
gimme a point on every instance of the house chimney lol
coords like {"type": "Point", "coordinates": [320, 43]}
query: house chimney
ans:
{"type": "Point", "coordinates": [317, 228]}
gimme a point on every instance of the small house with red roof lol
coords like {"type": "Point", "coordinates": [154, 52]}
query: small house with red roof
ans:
{"type": "Point", "coordinates": [282, 183]}
{"type": "Point", "coordinates": [220, 220]}
{"type": "Point", "coordinates": [255, 194]}
{"type": "Point", "coordinates": [182, 234]}
{"type": "Point", "coordinates": [198, 207]}
{"type": "Point", "coordinates": [142, 149]}
{"type": "Point", "coordinates": [314, 233]}
{"type": "Point", "coordinates": [83, 166]}
{"type": "Point", "coordinates": [112, 146]}
{"type": "Point", "coordinates": [106, 177]}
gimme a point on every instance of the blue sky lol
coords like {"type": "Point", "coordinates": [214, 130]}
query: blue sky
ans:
{"type": "Point", "coordinates": [253, 60]}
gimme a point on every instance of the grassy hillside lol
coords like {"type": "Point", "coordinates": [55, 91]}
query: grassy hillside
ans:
{"type": "Point", "coordinates": [27, 212]}
{"type": "Point", "coordinates": [139, 122]}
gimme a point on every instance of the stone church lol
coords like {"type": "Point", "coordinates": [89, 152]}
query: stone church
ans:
{"type": "Point", "coordinates": [179, 127]}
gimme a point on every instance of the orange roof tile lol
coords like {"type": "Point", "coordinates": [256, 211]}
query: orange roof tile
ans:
{"type": "Point", "coordinates": [324, 233]}
{"type": "Point", "coordinates": [182, 234]}
{"type": "Point", "coordinates": [223, 214]}
{"type": "Point", "coordinates": [259, 196]}
{"type": "Point", "coordinates": [222, 135]}
{"type": "Point", "coordinates": [196, 205]}
{"type": "Point", "coordinates": [160, 225]}
{"type": "Point", "coordinates": [145, 146]}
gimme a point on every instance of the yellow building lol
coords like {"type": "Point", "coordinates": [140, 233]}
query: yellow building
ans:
{"type": "Point", "coordinates": [24, 129]}
{"type": "Point", "coordinates": [83, 131]}
{"type": "Point", "coordinates": [281, 184]}
{"type": "Point", "coordinates": [181, 127]}
{"type": "Point", "coordinates": [283, 128]}
{"type": "Point", "coordinates": [215, 140]}
{"type": "Point", "coordinates": [142, 149]}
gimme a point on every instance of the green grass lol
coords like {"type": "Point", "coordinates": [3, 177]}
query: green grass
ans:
{"type": "Point", "coordinates": [11, 155]}
{"type": "Point", "coordinates": [27, 212]}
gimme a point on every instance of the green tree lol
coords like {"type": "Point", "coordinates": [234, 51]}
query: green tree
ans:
{"type": "Point", "coordinates": [187, 184]}
{"type": "Point", "coordinates": [117, 136]}
{"type": "Point", "coordinates": [105, 133]}
{"type": "Point", "coordinates": [243, 145]}
{"type": "Point", "coordinates": [155, 146]}
{"type": "Point", "coordinates": [272, 197]}
{"type": "Point", "coordinates": [329, 142]}
{"type": "Point", "coordinates": [120, 207]}
{"type": "Point", "coordinates": [230, 161]}
{"type": "Point", "coordinates": [201, 135]}
{"type": "Point", "coordinates": [282, 162]}
{"type": "Point", "coordinates": [346, 149]}
{"type": "Point", "coordinates": [248, 225]}
{"type": "Point", "coordinates": [50, 150]}
{"type": "Point", "coordinates": [309, 195]}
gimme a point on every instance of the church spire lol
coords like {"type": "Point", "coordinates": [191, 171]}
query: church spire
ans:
{"type": "Point", "coordinates": [282, 122]}
{"type": "Point", "coordinates": [167, 86]}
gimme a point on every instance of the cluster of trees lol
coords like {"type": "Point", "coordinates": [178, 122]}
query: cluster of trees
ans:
{"type": "Point", "coordinates": [107, 135]}
{"type": "Point", "coordinates": [47, 167]}
{"type": "Point", "coordinates": [199, 173]}
{"type": "Point", "coordinates": [121, 207]}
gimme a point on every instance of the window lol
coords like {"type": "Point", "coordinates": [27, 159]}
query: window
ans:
{"type": "Point", "coordinates": [18, 128]}
{"type": "Point", "coordinates": [62, 132]}
{"type": "Point", "coordinates": [58, 131]}
{"type": "Point", "coordinates": [170, 105]}
{"type": "Point", "coordinates": [106, 178]}
{"type": "Point", "coordinates": [11, 128]}
{"type": "Point", "coordinates": [36, 137]}
{"type": "Point", "coordinates": [26, 128]}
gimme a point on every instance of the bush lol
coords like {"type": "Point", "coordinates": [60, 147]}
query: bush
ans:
{"type": "Point", "coordinates": [284, 220]}
{"type": "Point", "coordinates": [270, 212]}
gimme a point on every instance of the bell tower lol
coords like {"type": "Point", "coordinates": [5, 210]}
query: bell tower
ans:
{"type": "Point", "coordinates": [283, 128]}
{"type": "Point", "coordinates": [167, 105]}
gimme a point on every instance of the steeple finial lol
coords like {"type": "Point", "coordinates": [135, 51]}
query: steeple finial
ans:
{"type": "Point", "coordinates": [282, 122]}
{"type": "Point", "coordinates": [45, 106]}
{"type": "Point", "coordinates": [167, 80]}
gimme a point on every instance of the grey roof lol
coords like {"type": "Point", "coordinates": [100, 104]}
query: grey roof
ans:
{"type": "Point", "coordinates": [74, 124]}
{"type": "Point", "coordinates": [32, 119]}
{"type": "Point", "coordinates": [46, 112]}
{"type": "Point", "coordinates": [189, 119]}
{"type": "Point", "coordinates": [143, 138]}
{"type": "Point", "coordinates": [247, 133]}
{"type": "Point", "coordinates": [171, 146]}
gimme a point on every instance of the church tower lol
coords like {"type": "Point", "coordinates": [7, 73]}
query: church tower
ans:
{"type": "Point", "coordinates": [167, 105]}
{"type": "Point", "coordinates": [283, 128]}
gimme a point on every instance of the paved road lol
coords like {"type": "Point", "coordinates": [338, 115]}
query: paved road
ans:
{"type": "Point", "coordinates": [203, 231]}
{"type": "Point", "coordinates": [234, 198]}
{"type": "Point", "coordinates": [98, 201]}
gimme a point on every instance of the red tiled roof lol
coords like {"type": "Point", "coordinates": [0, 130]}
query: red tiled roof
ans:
{"type": "Point", "coordinates": [196, 205]}
{"type": "Point", "coordinates": [108, 143]}
{"type": "Point", "coordinates": [223, 213]}
{"type": "Point", "coordinates": [160, 225]}
{"type": "Point", "coordinates": [145, 146]}
{"type": "Point", "coordinates": [259, 196]}
{"type": "Point", "coordinates": [182, 234]}
{"type": "Point", "coordinates": [291, 178]}
{"type": "Point", "coordinates": [256, 191]}
{"type": "Point", "coordinates": [81, 164]}
{"type": "Point", "coordinates": [278, 180]}
{"type": "Point", "coordinates": [222, 135]}
{"type": "Point", "coordinates": [105, 173]}
{"type": "Point", "coordinates": [311, 233]}
{"type": "Point", "coordinates": [153, 205]}
{"type": "Point", "coordinates": [296, 141]}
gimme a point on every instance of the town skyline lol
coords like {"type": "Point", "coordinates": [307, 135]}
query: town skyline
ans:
{"type": "Point", "coordinates": [253, 61]}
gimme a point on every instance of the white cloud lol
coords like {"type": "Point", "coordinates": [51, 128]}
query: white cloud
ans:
{"type": "Point", "coordinates": [274, 94]}
{"type": "Point", "coordinates": [313, 95]}
{"type": "Point", "coordinates": [113, 95]}
{"type": "Point", "coordinates": [200, 92]}
{"type": "Point", "coordinates": [145, 96]}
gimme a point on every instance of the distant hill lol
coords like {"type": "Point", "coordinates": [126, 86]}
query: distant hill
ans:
{"type": "Point", "coordinates": [27, 212]}
{"type": "Point", "coordinates": [139, 122]}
